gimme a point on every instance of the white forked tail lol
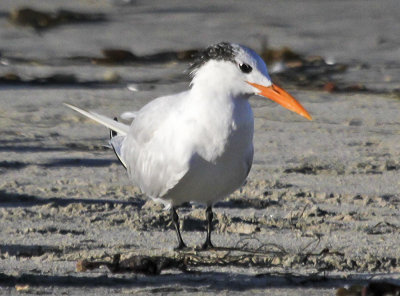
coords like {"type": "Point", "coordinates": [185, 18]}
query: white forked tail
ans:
{"type": "Point", "coordinates": [120, 128]}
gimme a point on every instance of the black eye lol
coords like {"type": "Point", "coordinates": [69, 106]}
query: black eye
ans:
{"type": "Point", "coordinates": [245, 68]}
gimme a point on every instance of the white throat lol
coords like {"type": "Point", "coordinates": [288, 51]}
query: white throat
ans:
{"type": "Point", "coordinates": [218, 80]}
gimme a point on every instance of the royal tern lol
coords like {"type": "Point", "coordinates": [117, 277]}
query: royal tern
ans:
{"type": "Point", "coordinates": [197, 145]}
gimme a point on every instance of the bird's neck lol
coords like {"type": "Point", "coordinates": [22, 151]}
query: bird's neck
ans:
{"type": "Point", "coordinates": [214, 82]}
{"type": "Point", "coordinates": [213, 92]}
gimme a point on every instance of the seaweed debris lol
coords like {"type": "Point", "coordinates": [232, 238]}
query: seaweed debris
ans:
{"type": "Point", "coordinates": [41, 20]}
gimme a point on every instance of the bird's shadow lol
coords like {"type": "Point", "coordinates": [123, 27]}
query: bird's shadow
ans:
{"type": "Point", "coordinates": [9, 200]}
{"type": "Point", "coordinates": [217, 281]}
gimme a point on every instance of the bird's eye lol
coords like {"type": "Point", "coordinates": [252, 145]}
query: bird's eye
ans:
{"type": "Point", "coordinates": [245, 68]}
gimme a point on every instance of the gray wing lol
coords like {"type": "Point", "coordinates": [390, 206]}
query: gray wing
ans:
{"type": "Point", "coordinates": [153, 152]}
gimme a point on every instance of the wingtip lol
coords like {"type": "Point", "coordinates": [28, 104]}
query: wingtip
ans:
{"type": "Point", "coordinates": [112, 132]}
{"type": "Point", "coordinates": [70, 106]}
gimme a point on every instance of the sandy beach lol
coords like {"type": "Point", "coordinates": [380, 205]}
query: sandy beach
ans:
{"type": "Point", "coordinates": [320, 209]}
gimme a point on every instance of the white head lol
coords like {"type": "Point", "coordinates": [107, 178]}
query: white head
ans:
{"type": "Point", "coordinates": [238, 71]}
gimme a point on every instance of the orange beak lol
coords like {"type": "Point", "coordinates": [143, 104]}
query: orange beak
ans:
{"type": "Point", "coordinates": [283, 98]}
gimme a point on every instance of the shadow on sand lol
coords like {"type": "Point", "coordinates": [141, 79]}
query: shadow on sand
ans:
{"type": "Point", "coordinates": [25, 200]}
{"type": "Point", "coordinates": [217, 281]}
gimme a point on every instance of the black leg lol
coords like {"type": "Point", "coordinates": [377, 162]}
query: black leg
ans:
{"type": "Point", "coordinates": [175, 219]}
{"type": "Point", "coordinates": [209, 218]}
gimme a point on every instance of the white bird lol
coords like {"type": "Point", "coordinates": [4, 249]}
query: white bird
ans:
{"type": "Point", "coordinates": [197, 145]}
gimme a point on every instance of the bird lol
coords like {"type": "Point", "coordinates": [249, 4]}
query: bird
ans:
{"type": "Point", "coordinates": [197, 145]}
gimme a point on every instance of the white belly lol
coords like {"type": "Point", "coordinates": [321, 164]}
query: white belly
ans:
{"type": "Point", "coordinates": [207, 182]}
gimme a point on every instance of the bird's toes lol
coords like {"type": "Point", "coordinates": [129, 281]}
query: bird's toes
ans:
{"type": "Point", "coordinates": [207, 246]}
{"type": "Point", "coordinates": [180, 247]}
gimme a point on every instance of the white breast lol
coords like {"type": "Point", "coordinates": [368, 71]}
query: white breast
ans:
{"type": "Point", "coordinates": [220, 165]}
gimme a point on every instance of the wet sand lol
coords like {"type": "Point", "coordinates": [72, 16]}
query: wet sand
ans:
{"type": "Point", "coordinates": [319, 210]}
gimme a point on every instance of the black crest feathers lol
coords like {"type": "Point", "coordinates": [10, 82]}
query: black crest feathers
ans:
{"type": "Point", "coordinates": [220, 51]}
